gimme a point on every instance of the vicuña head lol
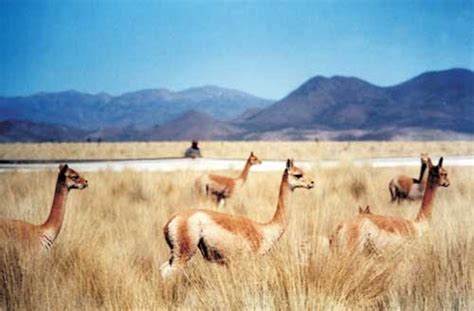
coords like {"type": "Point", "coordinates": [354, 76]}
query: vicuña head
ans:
{"type": "Point", "coordinates": [296, 178]}
{"type": "Point", "coordinates": [71, 178]}
{"type": "Point", "coordinates": [253, 160]}
{"type": "Point", "coordinates": [407, 188]}
{"type": "Point", "coordinates": [220, 187]}
{"type": "Point", "coordinates": [381, 231]}
{"type": "Point", "coordinates": [438, 174]}
{"type": "Point", "coordinates": [27, 236]}
{"type": "Point", "coordinates": [219, 236]}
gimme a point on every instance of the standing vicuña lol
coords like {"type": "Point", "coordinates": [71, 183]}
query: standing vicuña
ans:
{"type": "Point", "coordinates": [380, 231]}
{"type": "Point", "coordinates": [219, 236]}
{"type": "Point", "coordinates": [404, 187]}
{"type": "Point", "coordinates": [222, 187]}
{"type": "Point", "coordinates": [35, 238]}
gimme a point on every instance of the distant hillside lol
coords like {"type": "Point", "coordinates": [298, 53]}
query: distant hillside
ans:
{"type": "Point", "coordinates": [337, 102]}
{"type": "Point", "coordinates": [192, 125]}
{"type": "Point", "coordinates": [25, 131]}
{"type": "Point", "coordinates": [141, 109]}
{"type": "Point", "coordinates": [435, 100]}
{"type": "Point", "coordinates": [438, 100]}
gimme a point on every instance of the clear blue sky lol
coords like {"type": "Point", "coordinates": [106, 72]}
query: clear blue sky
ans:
{"type": "Point", "coordinates": [266, 48]}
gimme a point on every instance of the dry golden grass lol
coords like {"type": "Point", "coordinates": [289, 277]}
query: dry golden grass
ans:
{"type": "Point", "coordinates": [109, 252]}
{"type": "Point", "coordinates": [267, 150]}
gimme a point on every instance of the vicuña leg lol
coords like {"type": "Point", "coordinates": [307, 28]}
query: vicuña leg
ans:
{"type": "Point", "coordinates": [183, 245]}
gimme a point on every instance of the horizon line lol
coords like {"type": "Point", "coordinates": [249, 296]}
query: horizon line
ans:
{"type": "Point", "coordinates": [210, 85]}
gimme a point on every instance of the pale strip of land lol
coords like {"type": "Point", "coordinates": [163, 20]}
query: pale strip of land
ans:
{"type": "Point", "coordinates": [299, 150]}
{"type": "Point", "coordinates": [202, 164]}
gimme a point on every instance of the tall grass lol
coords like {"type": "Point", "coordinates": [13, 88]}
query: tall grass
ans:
{"type": "Point", "coordinates": [109, 252]}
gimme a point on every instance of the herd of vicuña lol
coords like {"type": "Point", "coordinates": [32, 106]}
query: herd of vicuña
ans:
{"type": "Point", "coordinates": [221, 237]}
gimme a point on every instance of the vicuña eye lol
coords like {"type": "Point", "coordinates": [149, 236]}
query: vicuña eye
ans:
{"type": "Point", "coordinates": [298, 176]}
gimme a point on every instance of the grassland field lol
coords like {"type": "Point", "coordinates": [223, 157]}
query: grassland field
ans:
{"type": "Point", "coordinates": [305, 150]}
{"type": "Point", "coordinates": [111, 246]}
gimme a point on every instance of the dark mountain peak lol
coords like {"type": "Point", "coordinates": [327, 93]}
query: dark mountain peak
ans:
{"type": "Point", "coordinates": [314, 82]}
{"type": "Point", "coordinates": [349, 79]}
{"type": "Point", "coordinates": [455, 75]}
{"type": "Point", "coordinates": [334, 83]}
{"type": "Point", "coordinates": [441, 99]}
{"type": "Point", "coordinates": [447, 74]}
{"type": "Point", "coordinates": [447, 85]}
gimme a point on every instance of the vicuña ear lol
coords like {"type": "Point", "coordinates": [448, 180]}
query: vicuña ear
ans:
{"type": "Point", "coordinates": [440, 163]}
{"type": "Point", "coordinates": [251, 153]}
{"type": "Point", "coordinates": [291, 162]}
{"type": "Point", "coordinates": [361, 210]}
{"type": "Point", "coordinates": [288, 164]}
{"type": "Point", "coordinates": [63, 167]}
{"type": "Point", "coordinates": [367, 209]}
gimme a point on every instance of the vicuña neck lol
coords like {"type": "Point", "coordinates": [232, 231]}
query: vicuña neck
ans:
{"type": "Point", "coordinates": [245, 172]}
{"type": "Point", "coordinates": [56, 216]}
{"type": "Point", "coordinates": [280, 217]}
{"type": "Point", "coordinates": [427, 203]}
{"type": "Point", "coordinates": [274, 229]}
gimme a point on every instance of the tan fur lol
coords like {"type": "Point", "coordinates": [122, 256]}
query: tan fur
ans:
{"type": "Point", "coordinates": [356, 233]}
{"type": "Point", "coordinates": [35, 238]}
{"type": "Point", "coordinates": [220, 236]}
{"type": "Point", "coordinates": [20, 234]}
{"type": "Point", "coordinates": [222, 183]}
{"type": "Point", "coordinates": [405, 183]}
{"type": "Point", "coordinates": [241, 226]}
{"type": "Point", "coordinates": [220, 187]}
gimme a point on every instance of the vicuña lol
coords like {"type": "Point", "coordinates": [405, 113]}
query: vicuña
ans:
{"type": "Point", "coordinates": [219, 236]}
{"type": "Point", "coordinates": [220, 187]}
{"type": "Point", "coordinates": [36, 238]}
{"type": "Point", "coordinates": [381, 231]}
{"type": "Point", "coordinates": [407, 188]}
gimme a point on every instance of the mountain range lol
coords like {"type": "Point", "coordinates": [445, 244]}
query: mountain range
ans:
{"type": "Point", "coordinates": [141, 109]}
{"type": "Point", "coordinates": [432, 105]}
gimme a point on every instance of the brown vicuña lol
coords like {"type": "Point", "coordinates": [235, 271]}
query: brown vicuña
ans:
{"type": "Point", "coordinates": [219, 236]}
{"type": "Point", "coordinates": [220, 187]}
{"type": "Point", "coordinates": [25, 236]}
{"type": "Point", "coordinates": [407, 188]}
{"type": "Point", "coordinates": [381, 231]}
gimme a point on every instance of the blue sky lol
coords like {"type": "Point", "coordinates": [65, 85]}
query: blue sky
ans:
{"type": "Point", "coordinates": [266, 48]}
